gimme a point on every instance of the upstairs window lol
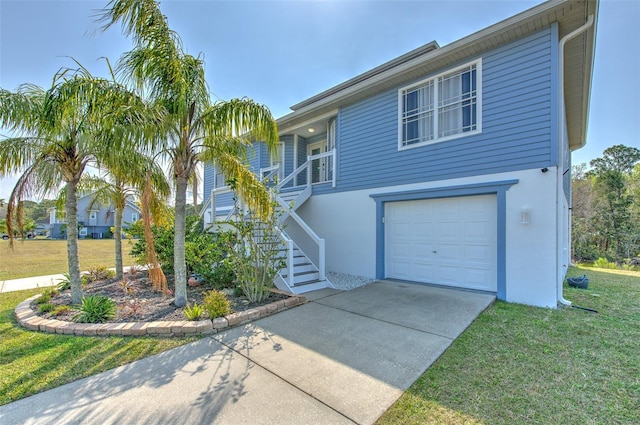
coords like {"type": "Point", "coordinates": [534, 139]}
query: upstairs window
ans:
{"type": "Point", "coordinates": [220, 180]}
{"type": "Point", "coordinates": [443, 107]}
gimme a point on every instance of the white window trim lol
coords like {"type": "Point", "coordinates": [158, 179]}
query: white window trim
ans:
{"type": "Point", "coordinates": [434, 78]}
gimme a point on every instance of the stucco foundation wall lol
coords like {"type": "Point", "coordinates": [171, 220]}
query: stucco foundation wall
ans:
{"type": "Point", "coordinates": [347, 221]}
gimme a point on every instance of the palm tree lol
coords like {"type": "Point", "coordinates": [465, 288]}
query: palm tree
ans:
{"type": "Point", "coordinates": [126, 177]}
{"type": "Point", "coordinates": [60, 131]}
{"type": "Point", "coordinates": [195, 129]}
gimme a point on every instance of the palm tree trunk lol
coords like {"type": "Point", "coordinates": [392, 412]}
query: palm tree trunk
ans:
{"type": "Point", "coordinates": [117, 235]}
{"type": "Point", "coordinates": [179, 264]}
{"type": "Point", "coordinates": [71, 211]}
{"type": "Point", "coordinates": [195, 193]}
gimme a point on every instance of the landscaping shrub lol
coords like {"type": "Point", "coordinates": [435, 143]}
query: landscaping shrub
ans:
{"type": "Point", "coordinates": [256, 257]}
{"type": "Point", "coordinates": [46, 307]}
{"type": "Point", "coordinates": [603, 263]}
{"type": "Point", "coordinates": [100, 273]}
{"type": "Point", "coordinates": [95, 309]}
{"type": "Point", "coordinates": [61, 309]}
{"type": "Point", "coordinates": [43, 299]}
{"type": "Point", "coordinates": [216, 304]}
{"type": "Point", "coordinates": [65, 282]}
{"type": "Point", "coordinates": [46, 295]}
{"type": "Point", "coordinates": [206, 253]}
{"type": "Point", "coordinates": [134, 270]}
{"type": "Point", "coordinates": [194, 312]}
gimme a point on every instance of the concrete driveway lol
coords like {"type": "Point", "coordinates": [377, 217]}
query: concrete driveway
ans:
{"type": "Point", "coordinates": [342, 358]}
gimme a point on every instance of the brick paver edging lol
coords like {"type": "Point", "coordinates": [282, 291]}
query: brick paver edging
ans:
{"type": "Point", "coordinates": [29, 319]}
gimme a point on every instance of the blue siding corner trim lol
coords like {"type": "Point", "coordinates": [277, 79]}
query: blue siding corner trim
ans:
{"type": "Point", "coordinates": [498, 187]}
{"type": "Point", "coordinates": [555, 97]}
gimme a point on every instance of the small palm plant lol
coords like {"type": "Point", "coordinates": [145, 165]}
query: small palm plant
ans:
{"type": "Point", "coordinates": [95, 309]}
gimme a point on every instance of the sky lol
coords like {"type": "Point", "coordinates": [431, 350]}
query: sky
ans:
{"type": "Point", "coordinates": [281, 52]}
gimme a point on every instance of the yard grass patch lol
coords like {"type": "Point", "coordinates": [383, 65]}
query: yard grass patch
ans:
{"type": "Point", "coordinates": [44, 257]}
{"type": "Point", "coordinates": [519, 364]}
{"type": "Point", "coordinates": [31, 362]}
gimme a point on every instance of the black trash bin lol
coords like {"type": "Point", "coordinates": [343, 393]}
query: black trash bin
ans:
{"type": "Point", "coordinates": [581, 282]}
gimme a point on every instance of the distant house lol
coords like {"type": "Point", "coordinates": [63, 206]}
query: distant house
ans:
{"type": "Point", "coordinates": [446, 166]}
{"type": "Point", "coordinates": [94, 222]}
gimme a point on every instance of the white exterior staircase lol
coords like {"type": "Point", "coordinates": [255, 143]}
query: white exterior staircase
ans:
{"type": "Point", "coordinates": [300, 274]}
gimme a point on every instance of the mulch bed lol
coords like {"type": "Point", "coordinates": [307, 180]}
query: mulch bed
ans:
{"type": "Point", "coordinates": [138, 302]}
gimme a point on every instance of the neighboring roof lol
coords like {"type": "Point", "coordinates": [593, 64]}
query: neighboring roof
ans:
{"type": "Point", "coordinates": [128, 203]}
{"type": "Point", "coordinates": [579, 57]}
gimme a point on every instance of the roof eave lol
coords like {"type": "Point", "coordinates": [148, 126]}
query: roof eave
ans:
{"type": "Point", "coordinates": [332, 98]}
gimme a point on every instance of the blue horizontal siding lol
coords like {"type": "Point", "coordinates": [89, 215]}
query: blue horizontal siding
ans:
{"type": "Point", "coordinates": [207, 180]}
{"type": "Point", "coordinates": [288, 154]}
{"type": "Point", "coordinates": [517, 126]}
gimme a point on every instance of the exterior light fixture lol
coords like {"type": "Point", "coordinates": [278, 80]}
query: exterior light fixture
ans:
{"type": "Point", "coordinates": [311, 130]}
{"type": "Point", "coordinates": [525, 215]}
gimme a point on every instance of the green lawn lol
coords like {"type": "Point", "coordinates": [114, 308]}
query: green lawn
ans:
{"type": "Point", "coordinates": [524, 365]}
{"type": "Point", "coordinates": [31, 362]}
{"type": "Point", "coordinates": [43, 256]}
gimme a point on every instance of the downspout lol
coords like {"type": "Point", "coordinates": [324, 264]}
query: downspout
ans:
{"type": "Point", "coordinates": [560, 242]}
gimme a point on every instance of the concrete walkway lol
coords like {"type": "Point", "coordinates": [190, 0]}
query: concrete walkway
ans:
{"type": "Point", "coordinates": [30, 282]}
{"type": "Point", "coordinates": [342, 358]}
{"type": "Point", "coordinates": [11, 285]}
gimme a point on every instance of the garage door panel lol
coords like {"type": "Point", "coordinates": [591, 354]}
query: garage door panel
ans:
{"type": "Point", "coordinates": [401, 230]}
{"type": "Point", "coordinates": [447, 275]}
{"type": "Point", "coordinates": [424, 231]}
{"type": "Point", "coordinates": [447, 230]}
{"type": "Point", "coordinates": [425, 270]}
{"type": "Point", "coordinates": [476, 278]}
{"type": "Point", "coordinates": [403, 270]}
{"type": "Point", "coordinates": [446, 253]}
{"type": "Point", "coordinates": [462, 231]}
{"type": "Point", "coordinates": [400, 250]}
{"type": "Point", "coordinates": [480, 230]}
{"type": "Point", "coordinates": [422, 251]}
{"type": "Point", "coordinates": [477, 253]}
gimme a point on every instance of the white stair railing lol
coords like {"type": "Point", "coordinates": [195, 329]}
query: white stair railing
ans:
{"type": "Point", "coordinates": [309, 231]}
{"type": "Point", "coordinates": [268, 173]}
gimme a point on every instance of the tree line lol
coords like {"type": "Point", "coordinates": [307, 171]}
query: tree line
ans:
{"type": "Point", "coordinates": [605, 207]}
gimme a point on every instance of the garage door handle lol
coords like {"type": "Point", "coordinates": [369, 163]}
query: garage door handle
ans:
{"type": "Point", "coordinates": [435, 252]}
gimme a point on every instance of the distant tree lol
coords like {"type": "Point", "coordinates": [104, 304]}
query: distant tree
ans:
{"type": "Point", "coordinates": [28, 225]}
{"type": "Point", "coordinates": [40, 211]}
{"type": "Point", "coordinates": [583, 233]}
{"type": "Point", "coordinates": [613, 200]}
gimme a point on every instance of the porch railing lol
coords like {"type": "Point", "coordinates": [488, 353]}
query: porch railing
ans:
{"type": "Point", "coordinates": [325, 173]}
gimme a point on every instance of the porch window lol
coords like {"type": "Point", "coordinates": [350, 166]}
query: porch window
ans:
{"type": "Point", "coordinates": [219, 180]}
{"type": "Point", "coordinates": [443, 107]}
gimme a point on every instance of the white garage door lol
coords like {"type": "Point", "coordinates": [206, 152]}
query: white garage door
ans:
{"type": "Point", "coordinates": [447, 241]}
